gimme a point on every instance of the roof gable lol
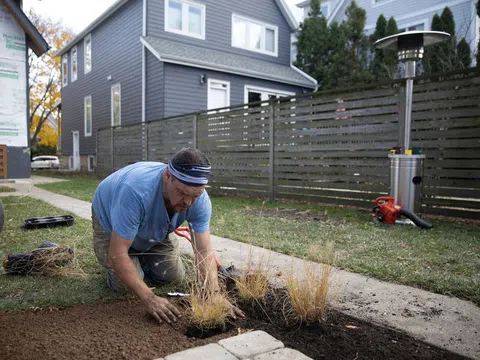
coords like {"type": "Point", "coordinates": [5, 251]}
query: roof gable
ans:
{"type": "Point", "coordinates": [284, 9]}
{"type": "Point", "coordinates": [36, 41]}
{"type": "Point", "coordinates": [287, 14]}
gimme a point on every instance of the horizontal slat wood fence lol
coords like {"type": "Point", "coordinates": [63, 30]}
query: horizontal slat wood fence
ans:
{"type": "Point", "coordinates": [327, 147]}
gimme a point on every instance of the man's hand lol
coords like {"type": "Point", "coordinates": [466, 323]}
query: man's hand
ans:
{"type": "Point", "coordinates": [235, 312]}
{"type": "Point", "coordinates": [161, 309]}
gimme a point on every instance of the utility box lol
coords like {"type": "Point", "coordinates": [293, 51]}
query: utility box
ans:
{"type": "Point", "coordinates": [406, 181]}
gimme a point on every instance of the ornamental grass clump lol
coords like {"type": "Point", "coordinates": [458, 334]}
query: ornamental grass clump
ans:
{"type": "Point", "coordinates": [252, 283]}
{"type": "Point", "coordinates": [308, 294]}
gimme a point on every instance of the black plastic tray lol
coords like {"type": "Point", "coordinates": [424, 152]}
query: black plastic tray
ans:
{"type": "Point", "coordinates": [49, 221]}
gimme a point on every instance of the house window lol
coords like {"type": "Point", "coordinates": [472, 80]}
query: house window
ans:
{"type": "Point", "coordinates": [254, 36]}
{"type": "Point", "coordinates": [91, 163]}
{"type": "Point", "coordinates": [325, 10]}
{"type": "Point", "coordinates": [254, 94]}
{"type": "Point", "coordinates": [116, 105]}
{"type": "Point", "coordinates": [87, 104]}
{"type": "Point", "coordinates": [65, 70]}
{"type": "Point", "coordinates": [218, 94]}
{"type": "Point", "coordinates": [87, 51]}
{"type": "Point", "coordinates": [381, 2]}
{"type": "Point", "coordinates": [74, 63]}
{"type": "Point", "coordinates": [185, 18]}
{"type": "Point", "coordinates": [417, 27]}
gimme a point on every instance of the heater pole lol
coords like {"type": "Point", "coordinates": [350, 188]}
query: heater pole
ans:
{"type": "Point", "coordinates": [409, 74]}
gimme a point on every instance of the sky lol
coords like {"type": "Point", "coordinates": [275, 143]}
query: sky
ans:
{"type": "Point", "coordinates": [77, 15]}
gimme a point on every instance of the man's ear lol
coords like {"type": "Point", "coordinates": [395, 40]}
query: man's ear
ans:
{"type": "Point", "coordinates": [169, 175]}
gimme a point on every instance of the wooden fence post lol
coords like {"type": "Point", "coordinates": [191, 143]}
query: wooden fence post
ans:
{"type": "Point", "coordinates": [271, 162]}
{"type": "Point", "coordinates": [112, 132]}
{"type": "Point", "coordinates": [96, 151]}
{"type": "Point", "coordinates": [146, 141]}
{"type": "Point", "coordinates": [3, 161]}
{"type": "Point", "coordinates": [195, 131]}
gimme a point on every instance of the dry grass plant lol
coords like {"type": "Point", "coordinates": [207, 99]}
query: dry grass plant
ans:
{"type": "Point", "coordinates": [308, 294]}
{"type": "Point", "coordinates": [52, 261]}
{"type": "Point", "coordinates": [207, 309]}
{"type": "Point", "coordinates": [253, 282]}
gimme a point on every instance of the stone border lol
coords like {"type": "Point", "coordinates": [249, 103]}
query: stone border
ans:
{"type": "Point", "coordinates": [255, 345]}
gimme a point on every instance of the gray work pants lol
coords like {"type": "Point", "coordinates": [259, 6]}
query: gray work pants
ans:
{"type": "Point", "coordinates": [161, 264]}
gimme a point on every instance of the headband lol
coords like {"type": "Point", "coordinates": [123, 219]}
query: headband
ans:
{"type": "Point", "coordinates": [190, 175]}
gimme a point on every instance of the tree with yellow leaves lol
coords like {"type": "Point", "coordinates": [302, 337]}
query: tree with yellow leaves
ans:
{"type": "Point", "coordinates": [45, 80]}
{"type": "Point", "coordinates": [48, 135]}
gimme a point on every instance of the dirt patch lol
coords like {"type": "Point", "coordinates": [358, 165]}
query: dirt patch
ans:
{"type": "Point", "coordinates": [122, 330]}
{"type": "Point", "coordinates": [291, 214]}
{"type": "Point", "coordinates": [340, 336]}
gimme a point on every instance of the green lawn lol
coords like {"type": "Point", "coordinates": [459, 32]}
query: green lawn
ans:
{"type": "Point", "coordinates": [4, 189]}
{"type": "Point", "coordinates": [80, 186]}
{"type": "Point", "coordinates": [85, 282]}
{"type": "Point", "coordinates": [445, 259]}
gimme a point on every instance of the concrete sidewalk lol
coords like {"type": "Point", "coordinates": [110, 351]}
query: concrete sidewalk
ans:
{"type": "Point", "coordinates": [440, 320]}
{"type": "Point", "coordinates": [27, 188]}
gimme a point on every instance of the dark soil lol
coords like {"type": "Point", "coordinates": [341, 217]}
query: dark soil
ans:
{"type": "Point", "coordinates": [291, 214]}
{"type": "Point", "coordinates": [339, 336]}
{"type": "Point", "coordinates": [123, 330]}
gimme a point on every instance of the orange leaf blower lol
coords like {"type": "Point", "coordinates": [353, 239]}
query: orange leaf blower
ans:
{"type": "Point", "coordinates": [386, 211]}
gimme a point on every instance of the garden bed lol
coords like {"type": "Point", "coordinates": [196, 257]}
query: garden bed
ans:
{"type": "Point", "coordinates": [122, 330]}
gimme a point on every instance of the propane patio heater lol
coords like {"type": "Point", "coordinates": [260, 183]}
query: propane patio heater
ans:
{"type": "Point", "coordinates": [406, 168]}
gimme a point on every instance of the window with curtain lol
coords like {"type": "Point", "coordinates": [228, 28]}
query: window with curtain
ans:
{"type": "Point", "coordinates": [87, 51]}
{"type": "Point", "coordinates": [116, 105]}
{"type": "Point", "coordinates": [88, 115]}
{"type": "Point", "coordinates": [74, 63]}
{"type": "Point", "coordinates": [254, 36]}
{"type": "Point", "coordinates": [185, 18]}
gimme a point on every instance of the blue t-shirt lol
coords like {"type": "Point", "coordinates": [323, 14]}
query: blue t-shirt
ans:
{"type": "Point", "coordinates": [130, 202]}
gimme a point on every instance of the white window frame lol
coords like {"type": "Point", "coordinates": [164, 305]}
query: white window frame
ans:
{"type": "Point", "coordinates": [262, 41]}
{"type": "Point", "coordinates": [88, 163]}
{"type": "Point", "coordinates": [120, 104]}
{"type": "Point", "coordinates": [85, 69]}
{"type": "Point", "coordinates": [87, 134]}
{"type": "Point", "coordinates": [223, 82]}
{"type": "Point", "coordinates": [184, 31]}
{"type": "Point", "coordinates": [64, 69]}
{"type": "Point", "coordinates": [406, 25]}
{"type": "Point", "coordinates": [74, 59]}
{"type": "Point", "coordinates": [377, 3]}
{"type": "Point", "coordinates": [327, 4]}
{"type": "Point", "coordinates": [265, 91]}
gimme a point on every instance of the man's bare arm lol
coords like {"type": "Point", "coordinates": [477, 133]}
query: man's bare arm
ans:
{"type": "Point", "coordinates": [207, 266]}
{"type": "Point", "coordinates": [205, 260]}
{"type": "Point", "coordinates": [125, 270]}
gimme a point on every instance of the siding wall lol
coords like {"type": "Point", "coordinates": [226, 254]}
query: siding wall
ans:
{"type": "Point", "coordinates": [155, 87]}
{"type": "Point", "coordinates": [219, 25]}
{"type": "Point", "coordinates": [186, 94]}
{"type": "Point", "coordinates": [116, 52]}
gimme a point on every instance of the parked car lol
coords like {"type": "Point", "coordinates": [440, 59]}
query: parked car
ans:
{"type": "Point", "coordinates": [45, 162]}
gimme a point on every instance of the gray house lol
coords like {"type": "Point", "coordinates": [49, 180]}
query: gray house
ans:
{"type": "Point", "coordinates": [17, 35]}
{"type": "Point", "coordinates": [409, 14]}
{"type": "Point", "coordinates": [145, 60]}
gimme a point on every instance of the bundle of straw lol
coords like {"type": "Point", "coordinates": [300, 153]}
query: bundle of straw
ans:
{"type": "Point", "coordinates": [46, 261]}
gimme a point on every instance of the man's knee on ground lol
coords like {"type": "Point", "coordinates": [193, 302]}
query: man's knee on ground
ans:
{"type": "Point", "coordinates": [167, 276]}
